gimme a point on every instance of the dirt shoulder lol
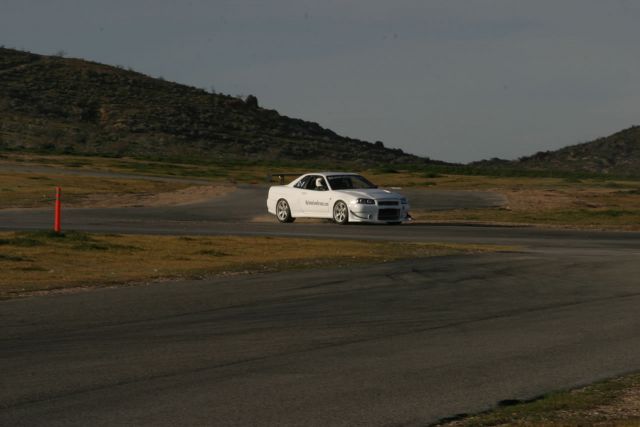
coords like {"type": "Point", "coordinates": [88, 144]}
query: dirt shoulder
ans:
{"type": "Point", "coordinates": [584, 205]}
{"type": "Point", "coordinates": [615, 402]}
{"type": "Point", "coordinates": [33, 190]}
{"type": "Point", "coordinates": [183, 196]}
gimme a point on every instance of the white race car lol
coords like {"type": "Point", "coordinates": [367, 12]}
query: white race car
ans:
{"type": "Point", "coordinates": [343, 197]}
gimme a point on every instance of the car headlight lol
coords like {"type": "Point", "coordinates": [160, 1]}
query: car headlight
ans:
{"type": "Point", "coordinates": [404, 201]}
{"type": "Point", "coordinates": [366, 202]}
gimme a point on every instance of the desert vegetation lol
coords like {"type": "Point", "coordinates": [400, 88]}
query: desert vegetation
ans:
{"type": "Point", "coordinates": [52, 104]}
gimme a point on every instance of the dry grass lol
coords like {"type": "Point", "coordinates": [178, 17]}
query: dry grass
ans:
{"type": "Point", "coordinates": [558, 202]}
{"type": "Point", "coordinates": [585, 206]}
{"type": "Point", "coordinates": [460, 182]}
{"type": "Point", "coordinates": [227, 173]}
{"type": "Point", "coordinates": [481, 183]}
{"type": "Point", "coordinates": [41, 261]}
{"type": "Point", "coordinates": [181, 196]}
{"type": "Point", "coordinates": [583, 219]}
{"type": "Point", "coordinates": [28, 190]}
{"type": "Point", "coordinates": [609, 403]}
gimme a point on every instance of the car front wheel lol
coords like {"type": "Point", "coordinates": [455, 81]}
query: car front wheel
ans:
{"type": "Point", "coordinates": [340, 213]}
{"type": "Point", "coordinates": [283, 212]}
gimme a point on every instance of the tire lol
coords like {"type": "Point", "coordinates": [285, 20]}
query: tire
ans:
{"type": "Point", "coordinates": [394, 223]}
{"type": "Point", "coordinates": [340, 213]}
{"type": "Point", "coordinates": [283, 212]}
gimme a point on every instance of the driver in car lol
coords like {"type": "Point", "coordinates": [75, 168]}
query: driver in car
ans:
{"type": "Point", "coordinates": [320, 185]}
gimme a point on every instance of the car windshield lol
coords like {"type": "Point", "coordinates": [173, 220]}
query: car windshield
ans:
{"type": "Point", "coordinates": [347, 182]}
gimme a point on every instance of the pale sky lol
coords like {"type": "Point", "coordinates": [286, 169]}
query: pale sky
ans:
{"type": "Point", "coordinates": [455, 80]}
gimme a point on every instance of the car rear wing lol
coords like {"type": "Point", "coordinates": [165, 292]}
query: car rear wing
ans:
{"type": "Point", "coordinates": [280, 178]}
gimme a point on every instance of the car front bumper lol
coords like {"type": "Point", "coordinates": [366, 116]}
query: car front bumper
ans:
{"type": "Point", "coordinates": [378, 214]}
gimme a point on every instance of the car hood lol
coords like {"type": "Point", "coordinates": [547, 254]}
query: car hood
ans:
{"type": "Point", "coordinates": [371, 193]}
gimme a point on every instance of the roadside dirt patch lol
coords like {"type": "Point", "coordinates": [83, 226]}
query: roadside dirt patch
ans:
{"type": "Point", "coordinates": [613, 402]}
{"type": "Point", "coordinates": [627, 406]}
{"type": "Point", "coordinates": [272, 219]}
{"type": "Point", "coordinates": [534, 200]}
{"type": "Point", "coordinates": [597, 201]}
{"type": "Point", "coordinates": [184, 196]}
{"type": "Point", "coordinates": [530, 200]}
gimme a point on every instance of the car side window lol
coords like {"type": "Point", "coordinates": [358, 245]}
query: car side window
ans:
{"type": "Point", "coordinates": [303, 182]}
{"type": "Point", "coordinates": [311, 183]}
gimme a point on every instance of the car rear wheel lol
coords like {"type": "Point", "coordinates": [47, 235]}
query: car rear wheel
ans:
{"type": "Point", "coordinates": [283, 212]}
{"type": "Point", "coordinates": [340, 213]}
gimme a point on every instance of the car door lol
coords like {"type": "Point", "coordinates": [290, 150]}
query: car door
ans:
{"type": "Point", "coordinates": [317, 199]}
{"type": "Point", "coordinates": [298, 196]}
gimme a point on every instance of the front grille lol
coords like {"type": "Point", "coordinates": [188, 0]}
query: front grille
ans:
{"type": "Point", "coordinates": [389, 214]}
{"type": "Point", "coordinates": [388, 203]}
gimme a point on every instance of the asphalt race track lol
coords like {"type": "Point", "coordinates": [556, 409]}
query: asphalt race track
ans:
{"type": "Point", "coordinates": [403, 343]}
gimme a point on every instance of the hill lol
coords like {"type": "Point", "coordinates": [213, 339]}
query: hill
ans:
{"type": "Point", "coordinates": [71, 106]}
{"type": "Point", "coordinates": [617, 154]}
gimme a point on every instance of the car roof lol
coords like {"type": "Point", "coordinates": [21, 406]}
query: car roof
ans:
{"type": "Point", "coordinates": [333, 173]}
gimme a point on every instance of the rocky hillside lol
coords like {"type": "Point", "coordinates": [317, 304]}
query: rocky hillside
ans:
{"type": "Point", "coordinates": [72, 106]}
{"type": "Point", "coordinates": [617, 154]}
